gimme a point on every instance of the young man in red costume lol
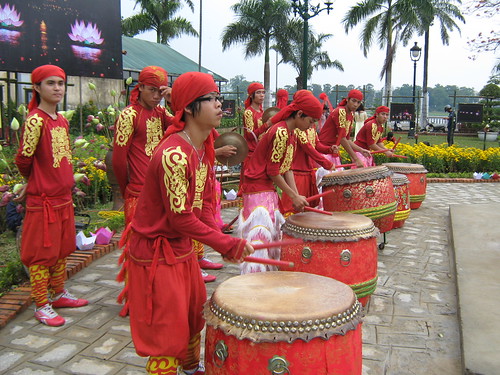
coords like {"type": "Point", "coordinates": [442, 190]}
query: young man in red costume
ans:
{"type": "Point", "coordinates": [281, 98]}
{"type": "Point", "coordinates": [337, 128]}
{"type": "Point", "coordinates": [166, 291]}
{"type": "Point", "coordinates": [261, 217]}
{"type": "Point", "coordinates": [44, 159]}
{"type": "Point", "coordinates": [370, 135]}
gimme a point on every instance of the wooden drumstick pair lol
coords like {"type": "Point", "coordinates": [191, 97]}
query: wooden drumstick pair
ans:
{"type": "Point", "coordinates": [273, 262]}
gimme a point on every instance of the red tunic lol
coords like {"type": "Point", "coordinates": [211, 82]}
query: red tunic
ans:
{"type": "Point", "coordinates": [44, 159]}
{"type": "Point", "coordinates": [253, 128]}
{"type": "Point", "coordinates": [273, 156]}
{"type": "Point", "coordinates": [370, 134]}
{"type": "Point", "coordinates": [137, 133]}
{"type": "Point", "coordinates": [337, 126]}
{"type": "Point", "coordinates": [166, 291]}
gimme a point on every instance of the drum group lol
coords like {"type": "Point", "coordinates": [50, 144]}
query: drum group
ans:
{"type": "Point", "coordinates": [308, 321]}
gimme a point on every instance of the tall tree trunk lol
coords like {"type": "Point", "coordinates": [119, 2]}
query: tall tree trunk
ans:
{"type": "Point", "coordinates": [425, 91]}
{"type": "Point", "coordinates": [267, 76]}
{"type": "Point", "coordinates": [389, 55]}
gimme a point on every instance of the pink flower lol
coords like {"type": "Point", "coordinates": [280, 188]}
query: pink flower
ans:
{"type": "Point", "coordinates": [20, 209]}
{"type": "Point", "coordinates": [6, 198]}
{"type": "Point", "coordinates": [85, 33]}
{"type": "Point", "coordinates": [85, 180]}
{"type": "Point", "coordinates": [99, 127]}
{"type": "Point", "coordinates": [4, 188]}
{"type": "Point", "coordinates": [9, 16]}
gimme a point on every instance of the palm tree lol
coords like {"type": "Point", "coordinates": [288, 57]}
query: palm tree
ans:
{"type": "Point", "coordinates": [158, 15]}
{"type": "Point", "coordinates": [428, 11]}
{"type": "Point", "coordinates": [258, 23]}
{"type": "Point", "coordinates": [290, 47]}
{"type": "Point", "coordinates": [385, 20]}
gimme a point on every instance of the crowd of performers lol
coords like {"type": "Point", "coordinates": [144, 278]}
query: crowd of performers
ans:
{"type": "Point", "coordinates": [164, 163]}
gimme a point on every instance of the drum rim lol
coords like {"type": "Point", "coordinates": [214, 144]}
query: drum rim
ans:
{"type": "Point", "coordinates": [356, 175]}
{"type": "Point", "coordinates": [406, 167]}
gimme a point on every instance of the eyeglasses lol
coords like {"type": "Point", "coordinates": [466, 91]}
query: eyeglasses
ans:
{"type": "Point", "coordinates": [211, 98]}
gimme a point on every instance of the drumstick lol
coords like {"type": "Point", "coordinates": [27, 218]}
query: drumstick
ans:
{"type": "Point", "coordinates": [313, 197]}
{"type": "Point", "coordinates": [291, 241]}
{"type": "Point", "coordinates": [399, 156]}
{"type": "Point", "coordinates": [272, 262]}
{"type": "Point", "coordinates": [227, 226]}
{"type": "Point", "coordinates": [379, 151]}
{"type": "Point", "coordinates": [396, 143]}
{"type": "Point", "coordinates": [312, 209]}
{"type": "Point", "coordinates": [345, 165]}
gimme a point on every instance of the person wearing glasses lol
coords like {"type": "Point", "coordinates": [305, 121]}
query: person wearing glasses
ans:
{"type": "Point", "coordinates": [166, 290]}
{"type": "Point", "coordinates": [138, 130]}
{"type": "Point", "coordinates": [267, 170]}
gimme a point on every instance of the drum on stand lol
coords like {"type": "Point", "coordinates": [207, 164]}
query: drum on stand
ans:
{"type": "Point", "coordinates": [366, 191]}
{"type": "Point", "coordinates": [283, 323]}
{"type": "Point", "coordinates": [417, 174]}
{"type": "Point", "coordinates": [402, 190]}
{"type": "Point", "coordinates": [342, 246]}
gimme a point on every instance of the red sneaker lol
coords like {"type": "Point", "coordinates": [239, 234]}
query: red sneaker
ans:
{"type": "Point", "coordinates": [207, 264]}
{"type": "Point", "coordinates": [207, 278]}
{"type": "Point", "coordinates": [66, 299]}
{"type": "Point", "coordinates": [48, 316]}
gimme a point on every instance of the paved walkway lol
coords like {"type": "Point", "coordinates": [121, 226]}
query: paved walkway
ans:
{"type": "Point", "coordinates": [411, 326]}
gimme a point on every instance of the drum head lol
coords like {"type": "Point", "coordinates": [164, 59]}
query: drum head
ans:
{"type": "Point", "coordinates": [399, 179]}
{"type": "Point", "coordinates": [406, 167]}
{"type": "Point", "coordinates": [340, 227]}
{"type": "Point", "coordinates": [351, 176]}
{"type": "Point", "coordinates": [283, 306]}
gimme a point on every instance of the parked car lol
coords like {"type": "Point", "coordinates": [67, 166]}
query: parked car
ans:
{"type": "Point", "coordinates": [435, 127]}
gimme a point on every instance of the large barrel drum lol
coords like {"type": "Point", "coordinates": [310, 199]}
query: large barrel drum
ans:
{"type": "Point", "coordinates": [342, 246]}
{"type": "Point", "coordinates": [417, 174]}
{"type": "Point", "coordinates": [366, 191]}
{"type": "Point", "coordinates": [283, 323]}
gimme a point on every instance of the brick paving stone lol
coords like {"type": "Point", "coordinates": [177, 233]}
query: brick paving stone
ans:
{"type": "Point", "coordinates": [34, 369]}
{"type": "Point", "coordinates": [106, 346]}
{"type": "Point", "coordinates": [59, 353]}
{"type": "Point", "coordinates": [80, 365]}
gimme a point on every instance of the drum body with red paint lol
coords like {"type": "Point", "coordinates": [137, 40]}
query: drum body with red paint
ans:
{"type": "Point", "coordinates": [366, 191]}
{"type": "Point", "coordinates": [342, 246]}
{"type": "Point", "coordinates": [401, 185]}
{"type": "Point", "coordinates": [283, 323]}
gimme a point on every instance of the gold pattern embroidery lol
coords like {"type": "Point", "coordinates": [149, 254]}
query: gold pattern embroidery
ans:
{"type": "Point", "coordinates": [287, 161]}
{"type": "Point", "coordinates": [174, 162]}
{"type": "Point", "coordinates": [60, 146]}
{"type": "Point", "coordinates": [311, 136]}
{"type": "Point", "coordinates": [301, 136]}
{"type": "Point", "coordinates": [125, 126]}
{"type": "Point", "coordinates": [154, 134]}
{"type": "Point", "coordinates": [279, 145]}
{"type": "Point", "coordinates": [249, 120]}
{"type": "Point", "coordinates": [31, 136]}
{"type": "Point", "coordinates": [375, 133]}
{"type": "Point", "coordinates": [201, 179]}
{"type": "Point", "coordinates": [343, 121]}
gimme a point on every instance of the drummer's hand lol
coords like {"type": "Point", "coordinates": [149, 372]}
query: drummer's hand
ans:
{"type": "Point", "coordinates": [335, 149]}
{"type": "Point", "coordinates": [366, 153]}
{"type": "Point", "coordinates": [226, 151]}
{"type": "Point", "coordinates": [21, 194]}
{"type": "Point", "coordinates": [247, 251]}
{"type": "Point", "coordinates": [359, 163]}
{"type": "Point", "coordinates": [299, 202]}
{"type": "Point", "coordinates": [389, 153]}
{"type": "Point", "coordinates": [166, 93]}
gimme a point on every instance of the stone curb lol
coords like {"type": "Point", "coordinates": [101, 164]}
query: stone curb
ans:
{"type": "Point", "coordinates": [19, 299]}
{"type": "Point", "coordinates": [459, 180]}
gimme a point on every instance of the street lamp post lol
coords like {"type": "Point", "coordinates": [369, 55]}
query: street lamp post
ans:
{"type": "Point", "coordinates": [306, 11]}
{"type": "Point", "coordinates": [415, 53]}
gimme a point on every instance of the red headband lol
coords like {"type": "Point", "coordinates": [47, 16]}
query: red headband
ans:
{"type": "Point", "coordinates": [185, 90]}
{"type": "Point", "coordinates": [307, 103]}
{"type": "Point", "coordinates": [382, 108]}
{"type": "Point", "coordinates": [355, 94]}
{"type": "Point", "coordinates": [281, 98]}
{"type": "Point", "coordinates": [251, 90]}
{"type": "Point", "coordinates": [326, 100]}
{"type": "Point", "coordinates": [38, 75]}
{"type": "Point", "coordinates": [151, 76]}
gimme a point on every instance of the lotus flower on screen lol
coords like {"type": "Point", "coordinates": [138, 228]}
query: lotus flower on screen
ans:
{"type": "Point", "coordinates": [9, 16]}
{"type": "Point", "coordinates": [86, 33]}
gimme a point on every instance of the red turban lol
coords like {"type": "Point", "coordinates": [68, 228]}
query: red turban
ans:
{"type": "Point", "coordinates": [306, 103]}
{"type": "Point", "coordinates": [151, 76]}
{"type": "Point", "coordinates": [301, 92]}
{"type": "Point", "coordinates": [251, 90]}
{"type": "Point", "coordinates": [38, 75]}
{"type": "Point", "coordinates": [281, 98]}
{"type": "Point", "coordinates": [355, 94]}
{"type": "Point", "coordinates": [380, 109]}
{"type": "Point", "coordinates": [185, 90]}
{"type": "Point", "coordinates": [326, 100]}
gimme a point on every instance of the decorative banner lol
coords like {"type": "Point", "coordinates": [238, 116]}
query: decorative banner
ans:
{"type": "Point", "coordinates": [82, 37]}
{"type": "Point", "coordinates": [402, 112]}
{"type": "Point", "coordinates": [228, 108]}
{"type": "Point", "coordinates": [472, 113]}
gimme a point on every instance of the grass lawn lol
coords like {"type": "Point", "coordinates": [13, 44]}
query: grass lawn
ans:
{"type": "Point", "coordinates": [439, 138]}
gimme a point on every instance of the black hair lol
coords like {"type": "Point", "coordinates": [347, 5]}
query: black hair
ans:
{"type": "Point", "coordinates": [194, 107]}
